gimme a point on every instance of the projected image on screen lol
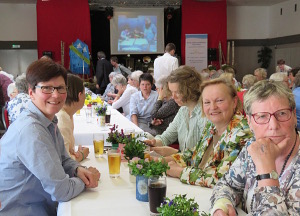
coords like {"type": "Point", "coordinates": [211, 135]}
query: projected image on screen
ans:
{"type": "Point", "coordinates": [137, 34]}
{"type": "Point", "coordinates": [137, 31]}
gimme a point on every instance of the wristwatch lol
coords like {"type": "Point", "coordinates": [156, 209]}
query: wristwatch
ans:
{"type": "Point", "coordinates": [272, 175]}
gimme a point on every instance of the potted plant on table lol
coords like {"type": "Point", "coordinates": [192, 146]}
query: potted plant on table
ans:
{"type": "Point", "coordinates": [115, 137]}
{"type": "Point", "coordinates": [134, 148]}
{"type": "Point", "coordinates": [180, 205]}
{"type": "Point", "coordinates": [101, 111]}
{"type": "Point", "coordinates": [143, 169]}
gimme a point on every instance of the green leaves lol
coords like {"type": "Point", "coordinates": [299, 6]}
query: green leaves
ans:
{"type": "Point", "coordinates": [180, 205]}
{"type": "Point", "coordinates": [147, 168]}
{"type": "Point", "coordinates": [134, 148]}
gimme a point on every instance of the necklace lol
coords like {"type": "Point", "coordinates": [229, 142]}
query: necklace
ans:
{"type": "Point", "coordinates": [283, 167]}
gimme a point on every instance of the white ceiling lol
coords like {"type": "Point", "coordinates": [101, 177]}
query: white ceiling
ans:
{"type": "Point", "coordinates": [110, 2]}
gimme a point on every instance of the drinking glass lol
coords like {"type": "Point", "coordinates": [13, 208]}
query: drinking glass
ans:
{"type": "Point", "coordinates": [147, 153]}
{"type": "Point", "coordinates": [114, 162]}
{"type": "Point", "coordinates": [98, 140]}
{"type": "Point", "coordinates": [88, 114]}
{"type": "Point", "coordinates": [107, 116]}
{"type": "Point", "coordinates": [129, 132]}
{"type": "Point", "coordinates": [157, 188]}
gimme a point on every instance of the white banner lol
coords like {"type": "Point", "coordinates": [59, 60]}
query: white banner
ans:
{"type": "Point", "coordinates": [196, 51]}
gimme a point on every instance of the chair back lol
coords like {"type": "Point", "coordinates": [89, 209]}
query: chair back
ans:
{"type": "Point", "coordinates": [5, 119]}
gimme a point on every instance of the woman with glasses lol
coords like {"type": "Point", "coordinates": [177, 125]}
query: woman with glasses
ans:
{"type": "Point", "coordinates": [265, 178]}
{"type": "Point", "coordinates": [36, 171]}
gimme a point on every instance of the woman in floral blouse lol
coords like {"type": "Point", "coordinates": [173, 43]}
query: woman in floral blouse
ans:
{"type": "Point", "coordinates": [265, 178]}
{"type": "Point", "coordinates": [222, 139]}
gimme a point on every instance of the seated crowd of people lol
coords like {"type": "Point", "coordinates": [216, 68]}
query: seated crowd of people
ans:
{"type": "Point", "coordinates": [239, 139]}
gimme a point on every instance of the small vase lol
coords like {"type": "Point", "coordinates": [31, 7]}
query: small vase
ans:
{"type": "Point", "coordinates": [142, 188]}
{"type": "Point", "coordinates": [101, 120]}
{"type": "Point", "coordinates": [115, 145]}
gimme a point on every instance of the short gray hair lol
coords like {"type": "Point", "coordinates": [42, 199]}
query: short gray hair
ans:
{"type": "Point", "coordinates": [10, 89]}
{"type": "Point", "coordinates": [162, 81]}
{"type": "Point", "coordinates": [135, 75]}
{"type": "Point", "coordinates": [264, 89]}
{"type": "Point", "coordinates": [279, 76]}
{"type": "Point", "coordinates": [21, 83]}
{"type": "Point", "coordinates": [249, 80]}
{"type": "Point", "coordinates": [262, 72]}
{"type": "Point", "coordinates": [119, 79]}
{"type": "Point", "coordinates": [113, 74]}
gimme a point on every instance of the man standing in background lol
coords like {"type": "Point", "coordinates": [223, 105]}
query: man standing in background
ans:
{"type": "Point", "coordinates": [165, 64]}
{"type": "Point", "coordinates": [103, 70]}
{"type": "Point", "coordinates": [118, 67]}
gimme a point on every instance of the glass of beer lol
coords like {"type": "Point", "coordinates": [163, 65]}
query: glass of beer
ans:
{"type": "Point", "coordinates": [114, 162]}
{"type": "Point", "coordinates": [157, 188]}
{"type": "Point", "coordinates": [147, 153]}
{"type": "Point", "coordinates": [98, 140]}
{"type": "Point", "coordinates": [129, 132]}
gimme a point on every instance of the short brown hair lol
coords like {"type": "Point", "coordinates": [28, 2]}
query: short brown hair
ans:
{"type": "Point", "coordinates": [170, 47]}
{"type": "Point", "coordinates": [231, 89]}
{"type": "Point", "coordinates": [75, 85]}
{"type": "Point", "coordinates": [114, 59]}
{"type": "Point", "coordinates": [280, 62]}
{"type": "Point", "coordinates": [189, 81]}
{"type": "Point", "coordinates": [43, 71]}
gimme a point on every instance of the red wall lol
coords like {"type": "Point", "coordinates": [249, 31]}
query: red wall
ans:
{"type": "Point", "coordinates": [62, 20]}
{"type": "Point", "coordinates": [205, 18]}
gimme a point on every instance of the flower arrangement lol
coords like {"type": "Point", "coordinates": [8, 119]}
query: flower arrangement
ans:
{"type": "Point", "coordinates": [180, 205]}
{"type": "Point", "coordinates": [148, 167]}
{"type": "Point", "coordinates": [101, 110]}
{"type": "Point", "coordinates": [90, 100]}
{"type": "Point", "coordinates": [134, 148]}
{"type": "Point", "coordinates": [114, 136]}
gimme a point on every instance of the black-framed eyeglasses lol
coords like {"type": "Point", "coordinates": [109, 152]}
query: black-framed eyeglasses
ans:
{"type": "Point", "coordinates": [50, 89]}
{"type": "Point", "coordinates": [280, 115]}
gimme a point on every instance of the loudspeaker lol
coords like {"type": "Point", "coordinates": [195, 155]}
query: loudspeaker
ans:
{"type": "Point", "coordinates": [109, 12]}
{"type": "Point", "coordinates": [212, 54]}
{"type": "Point", "coordinates": [48, 53]}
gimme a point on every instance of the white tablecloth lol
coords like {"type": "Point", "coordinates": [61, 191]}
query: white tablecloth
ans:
{"type": "Point", "coordinates": [83, 131]}
{"type": "Point", "coordinates": [117, 196]}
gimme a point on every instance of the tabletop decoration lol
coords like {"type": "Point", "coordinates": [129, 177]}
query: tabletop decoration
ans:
{"type": "Point", "coordinates": [100, 111]}
{"type": "Point", "coordinates": [133, 148]}
{"type": "Point", "coordinates": [92, 101]}
{"type": "Point", "coordinates": [143, 169]}
{"type": "Point", "coordinates": [115, 137]}
{"type": "Point", "coordinates": [180, 205]}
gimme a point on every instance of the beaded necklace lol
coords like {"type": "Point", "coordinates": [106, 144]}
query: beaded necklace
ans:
{"type": "Point", "coordinates": [283, 167]}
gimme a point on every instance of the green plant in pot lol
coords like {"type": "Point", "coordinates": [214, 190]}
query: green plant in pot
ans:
{"type": "Point", "coordinates": [134, 148]}
{"type": "Point", "coordinates": [144, 169]}
{"type": "Point", "coordinates": [180, 205]}
{"type": "Point", "coordinates": [264, 56]}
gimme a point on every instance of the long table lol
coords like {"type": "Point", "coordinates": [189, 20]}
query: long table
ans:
{"type": "Point", "coordinates": [83, 131]}
{"type": "Point", "coordinates": [117, 196]}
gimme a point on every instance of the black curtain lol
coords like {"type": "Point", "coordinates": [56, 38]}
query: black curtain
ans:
{"type": "Point", "coordinates": [100, 28]}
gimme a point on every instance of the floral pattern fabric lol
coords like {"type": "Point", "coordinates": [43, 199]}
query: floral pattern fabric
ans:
{"type": "Point", "coordinates": [268, 200]}
{"type": "Point", "coordinates": [17, 105]}
{"type": "Point", "coordinates": [223, 154]}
